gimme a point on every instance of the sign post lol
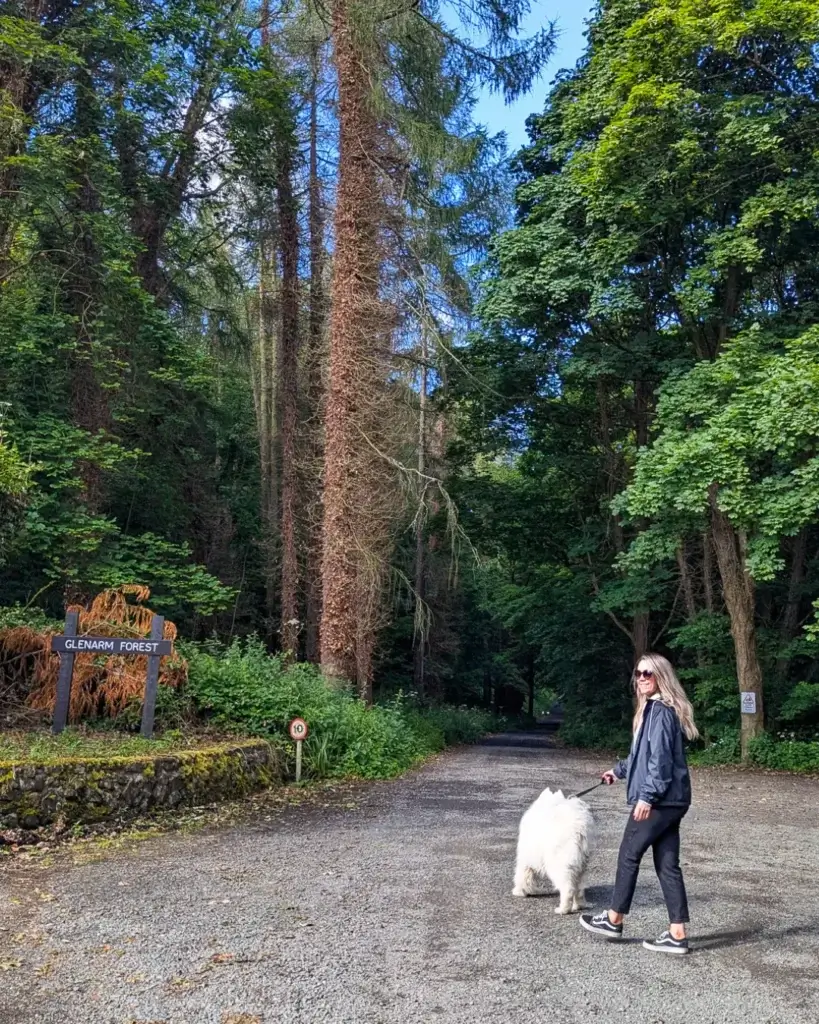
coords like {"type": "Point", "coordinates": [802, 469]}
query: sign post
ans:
{"type": "Point", "coordinates": [63, 700]}
{"type": "Point", "coordinates": [69, 645]}
{"type": "Point", "coordinates": [298, 732]}
{"type": "Point", "coordinates": [151, 680]}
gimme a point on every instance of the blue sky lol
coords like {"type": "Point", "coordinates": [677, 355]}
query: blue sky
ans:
{"type": "Point", "coordinates": [570, 16]}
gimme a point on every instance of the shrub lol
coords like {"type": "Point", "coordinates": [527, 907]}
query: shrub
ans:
{"type": "Point", "coordinates": [594, 732]}
{"type": "Point", "coordinates": [781, 752]}
{"type": "Point", "coordinates": [801, 707]}
{"type": "Point", "coordinates": [785, 755]}
{"type": "Point", "coordinates": [243, 687]}
{"type": "Point", "coordinates": [725, 750]}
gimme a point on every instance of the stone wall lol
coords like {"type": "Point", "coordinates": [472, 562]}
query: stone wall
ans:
{"type": "Point", "coordinates": [80, 789]}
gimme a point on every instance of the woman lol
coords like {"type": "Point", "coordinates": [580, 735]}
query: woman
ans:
{"type": "Point", "coordinates": [659, 793]}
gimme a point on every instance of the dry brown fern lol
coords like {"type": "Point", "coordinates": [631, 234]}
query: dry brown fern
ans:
{"type": "Point", "coordinates": [102, 685]}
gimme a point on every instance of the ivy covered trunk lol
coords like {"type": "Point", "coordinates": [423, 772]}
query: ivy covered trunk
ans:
{"type": "Point", "coordinates": [740, 600]}
{"type": "Point", "coordinates": [345, 644]}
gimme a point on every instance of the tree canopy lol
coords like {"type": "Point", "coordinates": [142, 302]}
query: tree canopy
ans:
{"type": "Point", "coordinates": [288, 338]}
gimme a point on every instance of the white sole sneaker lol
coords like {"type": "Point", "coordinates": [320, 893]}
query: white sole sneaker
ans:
{"type": "Point", "coordinates": [673, 950]}
{"type": "Point", "coordinates": [612, 936]}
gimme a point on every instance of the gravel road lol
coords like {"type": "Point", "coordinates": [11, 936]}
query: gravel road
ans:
{"type": "Point", "coordinates": [398, 911]}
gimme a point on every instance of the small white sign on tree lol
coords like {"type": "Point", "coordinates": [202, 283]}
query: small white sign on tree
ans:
{"type": "Point", "coordinates": [748, 702]}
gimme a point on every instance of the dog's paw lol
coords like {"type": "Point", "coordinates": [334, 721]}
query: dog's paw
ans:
{"type": "Point", "coordinates": [517, 891]}
{"type": "Point", "coordinates": [563, 911]}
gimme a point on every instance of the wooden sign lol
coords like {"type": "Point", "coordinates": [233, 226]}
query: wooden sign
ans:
{"type": "Point", "coordinates": [69, 645]}
{"type": "Point", "coordinates": [110, 645]}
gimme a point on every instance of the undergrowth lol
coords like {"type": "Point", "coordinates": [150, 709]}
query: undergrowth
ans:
{"type": "Point", "coordinates": [780, 752]}
{"type": "Point", "coordinates": [243, 688]}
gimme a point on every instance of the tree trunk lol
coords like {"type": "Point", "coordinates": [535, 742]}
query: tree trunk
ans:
{"type": "Point", "coordinates": [740, 593]}
{"type": "Point", "coordinates": [289, 248]}
{"type": "Point", "coordinates": [91, 361]}
{"type": "Point", "coordinates": [346, 649]}
{"type": "Point", "coordinates": [421, 626]}
{"type": "Point", "coordinates": [267, 404]}
{"type": "Point", "coordinates": [315, 384]}
{"type": "Point", "coordinates": [708, 571]}
{"type": "Point", "coordinates": [687, 585]}
{"type": "Point", "coordinates": [790, 619]}
{"type": "Point", "coordinates": [19, 96]}
{"type": "Point", "coordinates": [487, 672]}
{"type": "Point", "coordinates": [641, 623]}
{"type": "Point", "coordinates": [530, 680]}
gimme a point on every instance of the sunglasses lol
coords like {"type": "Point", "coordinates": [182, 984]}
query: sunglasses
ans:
{"type": "Point", "coordinates": [643, 673]}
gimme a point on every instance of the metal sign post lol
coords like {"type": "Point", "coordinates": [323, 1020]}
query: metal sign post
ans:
{"type": "Point", "coordinates": [298, 733]}
{"type": "Point", "coordinates": [69, 645]}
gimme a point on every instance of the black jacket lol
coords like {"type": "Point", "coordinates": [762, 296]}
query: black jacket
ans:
{"type": "Point", "coordinates": [656, 768]}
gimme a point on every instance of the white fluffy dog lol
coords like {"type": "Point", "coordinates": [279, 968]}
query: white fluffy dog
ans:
{"type": "Point", "coordinates": [555, 840]}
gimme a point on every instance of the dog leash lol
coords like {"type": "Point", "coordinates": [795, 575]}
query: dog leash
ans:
{"type": "Point", "coordinates": [591, 789]}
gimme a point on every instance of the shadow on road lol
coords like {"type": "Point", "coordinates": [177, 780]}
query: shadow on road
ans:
{"type": "Point", "coordinates": [750, 935]}
{"type": "Point", "coordinates": [531, 740]}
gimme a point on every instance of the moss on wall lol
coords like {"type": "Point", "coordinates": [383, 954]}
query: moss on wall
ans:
{"type": "Point", "coordinates": [92, 789]}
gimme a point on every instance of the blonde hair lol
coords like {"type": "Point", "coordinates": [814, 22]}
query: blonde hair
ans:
{"type": "Point", "coordinates": [671, 693]}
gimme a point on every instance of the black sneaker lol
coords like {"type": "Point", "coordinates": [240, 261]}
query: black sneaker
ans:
{"type": "Point", "coordinates": [599, 924]}
{"type": "Point", "coordinates": [668, 944]}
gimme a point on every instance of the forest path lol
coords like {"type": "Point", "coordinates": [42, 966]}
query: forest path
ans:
{"type": "Point", "coordinates": [398, 911]}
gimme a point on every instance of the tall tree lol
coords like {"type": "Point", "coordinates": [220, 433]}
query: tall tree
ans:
{"type": "Point", "coordinates": [661, 211]}
{"type": "Point", "coordinates": [384, 58]}
{"type": "Point", "coordinates": [289, 375]}
{"type": "Point", "coordinates": [314, 373]}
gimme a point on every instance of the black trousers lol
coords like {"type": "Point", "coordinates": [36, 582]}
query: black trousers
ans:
{"type": "Point", "coordinates": [661, 832]}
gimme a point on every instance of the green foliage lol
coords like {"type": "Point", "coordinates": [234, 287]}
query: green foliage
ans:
{"type": "Point", "coordinates": [14, 483]}
{"type": "Point", "coordinates": [780, 753]}
{"type": "Point", "coordinates": [785, 754]}
{"type": "Point", "coordinates": [801, 707]}
{"type": "Point", "coordinates": [595, 732]}
{"type": "Point", "coordinates": [13, 472]}
{"type": "Point", "coordinates": [748, 422]}
{"type": "Point", "coordinates": [117, 393]}
{"type": "Point", "coordinates": [664, 247]}
{"type": "Point", "coordinates": [243, 687]}
{"type": "Point", "coordinates": [175, 712]}
{"type": "Point", "coordinates": [724, 750]}
{"type": "Point", "coordinates": [34, 618]}
{"type": "Point", "coordinates": [712, 681]}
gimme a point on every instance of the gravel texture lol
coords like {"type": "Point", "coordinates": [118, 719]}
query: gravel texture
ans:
{"type": "Point", "coordinates": [398, 910]}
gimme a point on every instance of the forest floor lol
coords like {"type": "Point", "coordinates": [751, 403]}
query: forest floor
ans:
{"type": "Point", "coordinates": [392, 905]}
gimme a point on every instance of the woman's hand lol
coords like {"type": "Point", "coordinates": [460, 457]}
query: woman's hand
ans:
{"type": "Point", "coordinates": [642, 810]}
{"type": "Point", "coordinates": [609, 778]}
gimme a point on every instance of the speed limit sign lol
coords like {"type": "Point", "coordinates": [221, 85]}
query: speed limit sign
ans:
{"type": "Point", "coordinates": [298, 729]}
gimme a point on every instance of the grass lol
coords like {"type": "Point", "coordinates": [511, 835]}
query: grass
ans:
{"type": "Point", "coordinates": [43, 748]}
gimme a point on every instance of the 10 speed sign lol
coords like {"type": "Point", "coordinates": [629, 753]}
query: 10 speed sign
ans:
{"type": "Point", "coordinates": [298, 729]}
